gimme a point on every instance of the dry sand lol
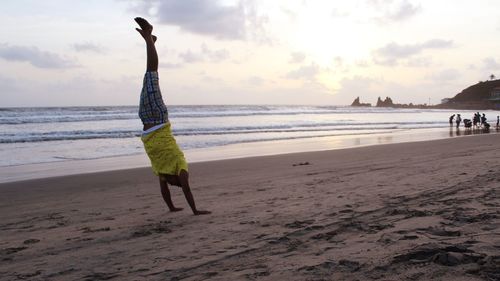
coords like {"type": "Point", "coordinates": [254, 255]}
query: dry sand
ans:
{"type": "Point", "coordinates": [409, 211]}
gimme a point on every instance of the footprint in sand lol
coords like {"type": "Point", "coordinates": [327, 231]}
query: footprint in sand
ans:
{"type": "Point", "coordinates": [301, 164]}
{"type": "Point", "coordinates": [452, 255]}
{"type": "Point", "coordinates": [440, 232]}
{"type": "Point", "coordinates": [12, 250]}
{"type": "Point", "coordinates": [409, 237]}
{"type": "Point", "coordinates": [31, 241]}
{"type": "Point", "coordinates": [100, 276]}
{"type": "Point", "coordinates": [90, 230]}
{"type": "Point", "coordinates": [299, 224]}
{"type": "Point", "coordinates": [149, 229]}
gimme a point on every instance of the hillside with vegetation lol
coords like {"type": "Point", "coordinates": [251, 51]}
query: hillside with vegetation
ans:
{"type": "Point", "coordinates": [476, 96]}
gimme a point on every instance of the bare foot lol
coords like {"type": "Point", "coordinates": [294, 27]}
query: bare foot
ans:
{"type": "Point", "coordinates": [144, 24]}
{"type": "Point", "coordinates": [197, 213]}
{"type": "Point", "coordinates": [176, 209]}
{"type": "Point", "coordinates": [146, 29]}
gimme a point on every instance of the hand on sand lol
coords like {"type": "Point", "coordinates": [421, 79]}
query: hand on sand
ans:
{"type": "Point", "coordinates": [197, 213]}
{"type": "Point", "coordinates": [176, 209]}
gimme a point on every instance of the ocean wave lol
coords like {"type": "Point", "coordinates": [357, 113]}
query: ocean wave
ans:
{"type": "Point", "coordinates": [62, 119]}
{"type": "Point", "coordinates": [70, 135]}
{"type": "Point", "coordinates": [7, 137]}
{"type": "Point", "coordinates": [11, 116]}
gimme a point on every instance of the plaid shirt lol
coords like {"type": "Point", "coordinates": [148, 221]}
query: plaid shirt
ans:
{"type": "Point", "coordinates": [152, 109]}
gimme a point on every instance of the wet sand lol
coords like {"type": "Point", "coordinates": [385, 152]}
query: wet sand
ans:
{"type": "Point", "coordinates": [231, 151]}
{"type": "Point", "coordinates": [406, 211]}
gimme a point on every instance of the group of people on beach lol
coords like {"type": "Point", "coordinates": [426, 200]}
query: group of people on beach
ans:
{"type": "Point", "coordinates": [478, 121]}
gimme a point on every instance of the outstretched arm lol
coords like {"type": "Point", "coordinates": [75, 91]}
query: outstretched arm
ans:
{"type": "Point", "coordinates": [146, 33]}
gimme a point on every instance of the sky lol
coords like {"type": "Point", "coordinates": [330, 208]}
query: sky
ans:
{"type": "Point", "coordinates": [84, 53]}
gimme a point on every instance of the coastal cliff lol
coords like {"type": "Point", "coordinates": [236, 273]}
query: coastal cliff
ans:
{"type": "Point", "coordinates": [478, 96]}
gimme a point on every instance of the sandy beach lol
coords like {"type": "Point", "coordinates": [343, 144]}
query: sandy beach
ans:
{"type": "Point", "coordinates": [408, 211]}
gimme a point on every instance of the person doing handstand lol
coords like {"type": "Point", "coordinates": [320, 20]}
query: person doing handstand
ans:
{"type": "Point", "coordinates": [167, 159]}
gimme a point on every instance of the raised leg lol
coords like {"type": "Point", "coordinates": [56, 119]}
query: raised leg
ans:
{"type": "Point", "coordinates": [145, 31]}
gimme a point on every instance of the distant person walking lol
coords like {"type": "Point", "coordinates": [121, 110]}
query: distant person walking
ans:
{"type": "Point", "coordinates": [483, 120]}
{"type": "Point", "coordinates": [498, 121]}
{"type": "Point", "coordinates": [475, 120]}
{"type": "Point", "coordinates": [458, 120]}
{"type": "Point", "coordinates": [167, 159]}
{"type": "Point", "coordinates": [451, 120]}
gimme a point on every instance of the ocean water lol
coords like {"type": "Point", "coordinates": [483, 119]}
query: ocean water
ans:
{"type": "Point", "coordinates": [41, 135]}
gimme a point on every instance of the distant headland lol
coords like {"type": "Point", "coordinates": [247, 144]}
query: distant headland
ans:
{"type": "Point", "coordinates": [483, 95]}
{"type": "Point", "coordinates": [389, 103]}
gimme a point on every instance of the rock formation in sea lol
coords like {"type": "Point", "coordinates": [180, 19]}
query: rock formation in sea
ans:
{"type": "Point", "coordinates": [357, 103]}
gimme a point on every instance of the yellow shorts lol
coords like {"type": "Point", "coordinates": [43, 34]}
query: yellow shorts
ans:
{"type": "Point", "coordinates": [165, 155]}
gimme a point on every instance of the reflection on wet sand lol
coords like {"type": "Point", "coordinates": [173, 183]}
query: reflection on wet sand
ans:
{"type": "Point", "coordinates": [385, 139]}
{"type": "Point", "coordinates": [456, 132]}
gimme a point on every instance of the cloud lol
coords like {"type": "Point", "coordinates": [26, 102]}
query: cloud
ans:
{"type": "Point", "coordinates": [304, 73]}
{"type": "Point", "coordinates": [209, 79]}
{"type": "Point", "coordinates": [338, 61]}
{"type": "Point", "coordinates": [205, 17]}
{"type": "Point", "coordinates": [205, 54]}
{"type": "Point", "coordinates": [404, 10]}
{"type": "Point", "coordinates": [392, 52]}
{"type": "Point", "coordinates": [419, 62]}
{"type": "Point", "coordinates": [255, 80]}
{"type": "Point", "coordinates": [339, 66]}
{"type": "Point", "coordinates": [170, 65]}
{"type": "Point", "coordinates": [362, 63]}
{"type": "Point", "coordinates": [437, 44]}
{"type": "Point", "coordinates": [34, 56]}
{"type": "Point", "coordinates": [490, 64]}
{"type": "Point", "coordinates": [88, 47]}
{"type": "Point", "coordinates": [292, 15]}
{"type": "Point", "coordinates": [256, 23]}
{"type": "Point", "coordinates": [298, 57]}
{"type": "Point", "coordinates": [446, 75]}
{"type": "Point", "coordinates": [9, 87]}
{"type": "Point", "coordinates": [336, 13]}
{"type": "Point", "coordinates": [395, 11]}
{"type": "Point", "coordinates": [191, 57]}
{"type": "Point", "coordinates": [215, 55]}
{"type": "Point", "coordinates": [212, 18]}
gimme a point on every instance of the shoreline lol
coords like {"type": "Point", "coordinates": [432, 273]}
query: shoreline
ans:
{"type": "Point", "coordinates": [232, 151]}
{"type": "Point", "coordinates": [403, 211]}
